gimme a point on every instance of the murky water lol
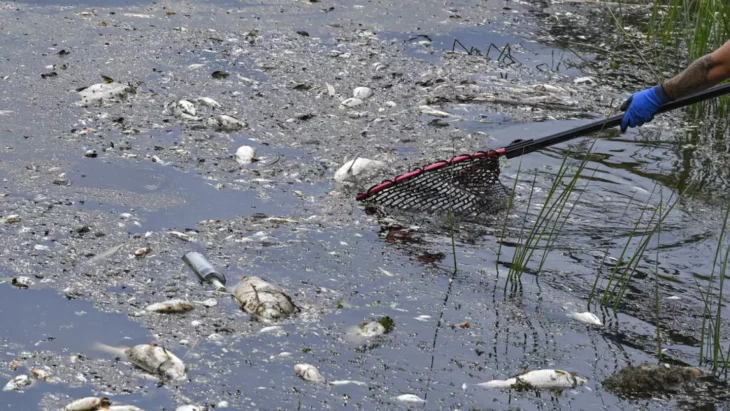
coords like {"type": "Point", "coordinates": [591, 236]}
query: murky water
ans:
{"type": "Point", "coordinates": [284, 218]}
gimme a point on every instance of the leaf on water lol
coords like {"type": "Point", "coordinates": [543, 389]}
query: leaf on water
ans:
{"type": "Point", "coordinates": [386, 272]}
{"type": "Point", "coordinates": [387, 323]}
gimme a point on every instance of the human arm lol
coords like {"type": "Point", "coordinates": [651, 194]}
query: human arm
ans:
{"type": "Point", "coordinates": [702, 74]}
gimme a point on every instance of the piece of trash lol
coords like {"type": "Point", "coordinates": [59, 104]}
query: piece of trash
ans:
{"type": "Point", "coordinates": [209, 102]}
{"type": "Point", "coordinates": [13, 218]}
{"type": "Point", "coordinates": [21, 282]}
{"type": "Point", "coordinates": [351, 102]}
{"type": "Point", "coordinates": [88, 404]}
{"type": "Point", "coordinates": [262, 300]}
{"type": "Point", "coordinates": [585, 318]}
{"type": "Point", "coordinates": [464, 325]}
{"type": "Point", "coordinates": [410, 398]}
{"type": "Point", "coordinates": [245, 155]}
{"type": "Point", "coordinates": [362, 93]}
{"type": "Point", "coordinates": [308, 372]}
{"type": "Point", "coordinates": [538, 379]}
{"type": "Point", "coordinates": [152, 358]}
{"type": "Point", "coordinates": [362, 167]}
{"type": "Point", "coordinates": [205, 271]}
{"type": "Point", "coordinates": [648, 379]}
{"type": "Point", "coordinates": [210, 302]}
{"type": "Point", "coordinates": [428, 110]}
{"type": "Point", "coordinates": [224, 123]}
{"type": "Point", "coordinates": [102, 92]}
{"type": "Point", "coordinates": [18, 383]}
{"type": "Point", "coordinates": [175, 305]}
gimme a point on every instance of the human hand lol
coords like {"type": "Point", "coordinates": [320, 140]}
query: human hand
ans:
{"type": "Point", "coordinates": [641, 107]}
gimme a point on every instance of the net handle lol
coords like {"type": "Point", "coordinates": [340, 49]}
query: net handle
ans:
{"type": "Point", "coordinates": [528, 146]}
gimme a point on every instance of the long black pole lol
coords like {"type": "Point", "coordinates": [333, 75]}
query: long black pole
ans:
{"type": "Point", "coordinates": [528, 146]}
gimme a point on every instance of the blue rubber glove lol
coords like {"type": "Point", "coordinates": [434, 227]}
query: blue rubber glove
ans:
{"type": "Point", "coordinates": [641, 107]}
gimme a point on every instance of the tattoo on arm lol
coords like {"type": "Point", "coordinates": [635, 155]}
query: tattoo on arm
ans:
{"type": "Point", "coordinates": [693, 79]}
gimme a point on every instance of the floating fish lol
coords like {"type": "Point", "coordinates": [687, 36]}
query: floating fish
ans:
{"type": "Point", "coordinates": [184, 110]}
{"type": "Point", "coordinates": [141, 252]}
{"type": "Point", "coordinates": [362, 93]}
{"type": "Point", "coordinates": [224, 123]}
{"type": "Point", "coordinates": [245, 155]}
{"type": "Point", "coordinates": [308, 372]}
{"type": "Point", "coordinates": [122, 408]}
{"type": "Point", "coordinates": [586, 318]}
{"type": "Point", "coordinates": [539, 379]}
{"type": "Point", "coordinates": [101, 92]}
{"type": "Point", "coordinates": [152, 358]}
{"type": "Point", "coordinates": [13, 218]}
{"type": "Point", "coordinates": [175, 305]}
{"type": "Point", "coordinates": [262, 300]}
{"type": "Point", "coordinates": [207, 101]}
{"type": "Point", "coordinates": [21, 282]}
{"type": "Point", "coordinates": [41, 374]}
{"type": "Point", "coordinates": [428, 110]}
{"type": "Point", "coordinates": [190, 407]}
{"type": "Point", "coordinates": [347, 382]}
{"type": "Point", "coordinates": [410, 398]}
{"type": "Point", "coordinates": [88, 404]}
{"type": "Point", "coordinates": [351, 102]}
{"type": "Point", "coordinates": [358, 167]}
{"type": "Point", "coordinates": [18, 383]}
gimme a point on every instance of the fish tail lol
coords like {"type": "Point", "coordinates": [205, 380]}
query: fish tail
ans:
{"type": "Point", "coordinates": [116, 351]}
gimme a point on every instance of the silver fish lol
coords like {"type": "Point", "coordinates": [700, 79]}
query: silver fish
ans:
{"type": "Point", "coordinates": [18, 383]}
{"type": "Point", "coordinates": [371, 329]}
{"type": "Point", "coordinates": [175, 305]}
{"type": "Point", "coordinates": [225, 123]}
{"type": "Point", "coordinates": [122, 408]}
{"type": "Point", "coordinates": [410, 398]}
{"type": "Point", "coordinates": [13, 218]}
{"type": "Point", "coordinates": [88, 404]}
{"type": "Point", "coordinates": [539, 379]}
{"type": "Point", "coordinates": [262, 300]}
{"type": "Point", "coordinates": [184, 110]}
{"type": "Point", "coordinates": [152, 358]}
{"type": "Point", "coordinates": [308, 372]}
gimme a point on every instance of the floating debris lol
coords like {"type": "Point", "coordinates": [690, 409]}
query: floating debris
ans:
{"type": "Point", "coordinates": [245, 155]}
{"type": "Point", "coordinates": [264, 301]}
{"type": "Point", "coordinates": [170, 306]}
{"type": "Point", "coordinates": [330, 89]}
{"type": "Point", "coordinates": [410, 398]}
{"type": "Point", "coordinates": [13, 218]}
{"type": "Point", "coordinates": [464, 325]}
{"type": "Point", "coordinates": [224, 123]}
{"type": "Point", "coordinates": [351, 102]}
{"type": "Point", "coordinates": [18, 383]}
{"type": "Point", "coordinates": [90, 154]}
{"type": "Point", "coordinates": [363, 167]}
{"type": "Point", "coordinates": [21, 282]}
{"type": "Point", "coordinates": [362, 93]}
{"type": "Point", "coordinates": [538, 379]}
{"type": "Point", "coordinates": [208, 102]}
{"type": "Point", "coordinates": [370, 329]}
{"type": "Point", "coordinates": [88, 404]}
{"type": "Point", "coordinates": [152, 358]}
{"type": "Point", "coordinates": [586, 318]}
{"type": "Point", "coordinates": [647, 379]}
{"type": "Point", "coordinates": [428, 110]}
{"type": "Point", "coordinates": [41, 374]}
{"type": "Point", "coordinates": [308, 372]}
{"type": "Point", "coordinates": [99, 93]}
{"type": "Point", "coordinates": [210, 302]}
{"type": "Point", "coordinates": [204, 270]}
{"type": "Point", "coordinates": [347, 382]}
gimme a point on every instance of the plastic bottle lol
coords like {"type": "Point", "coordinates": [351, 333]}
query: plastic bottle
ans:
{"type": "Point", "coordinates": [205, 270]}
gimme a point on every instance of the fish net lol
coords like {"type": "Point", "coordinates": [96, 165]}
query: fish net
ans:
{"type": "Point", "coordinates": [466, 184]}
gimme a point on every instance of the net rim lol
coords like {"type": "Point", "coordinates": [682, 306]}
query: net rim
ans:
{"type": "Point", "coordinates": [385, 184]}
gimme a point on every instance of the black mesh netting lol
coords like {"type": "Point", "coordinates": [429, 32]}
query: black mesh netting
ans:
{"type": "Point", "coordinates": [467, 184]}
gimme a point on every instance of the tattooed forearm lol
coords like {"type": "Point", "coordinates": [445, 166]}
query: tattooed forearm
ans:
{"type": "Point", "coordinates": [693, 79]}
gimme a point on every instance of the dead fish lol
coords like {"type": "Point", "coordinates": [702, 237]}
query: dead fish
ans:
{"type": "Point", "coordinates": [21, 282]}
{"type": "Point", "coordinates": [18, 383]}
{"type": "Point", "coordinates": [347, 382]}
{"type": "Point", "coordinates": [308, 372]}
{"type": "Point", "coordinates": [224, 123]}
{"type": "Point", "coordinates": [184, 110]}
{"type": "Point", "coordinates": [175, 305]}
{"type": "Point", "coordinates": [430, 111]}
{"type": "Point", "coordinates": [13, 218]}
{"type": "Point", "coordinates": [539, 379]}
{"type": "Point", "coordinates": [245, 155]}
{"type": "Point", "coordinates": [189, 408]}
{"type": "Point", "coordinates": [351, 102]}
{"type": "Point", "coordinates": [586, 318]}
{"type": "Point", "coordinates": [262, 300]}
{"type": "Point", "coordinates": [41, 374]}
{"type": "Point", "coordinates": [122, 408]}
{"type": "Point", "coordinates": [179, 235]}
{"type": "Point", "coordinates": [209, 102]}
{"type": "Point", "coordinates": [141, 252]}
{"type": "Point", "coordinates": [88, 404]}
{"type": "Point", "coordinates": [358, 167]}
{"type": "Point", "coordinates": [152, 358]}
{"type": "Point", "coordinates": [362, 92]}
{"type": "Point", "coordinates": [410, 398]}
